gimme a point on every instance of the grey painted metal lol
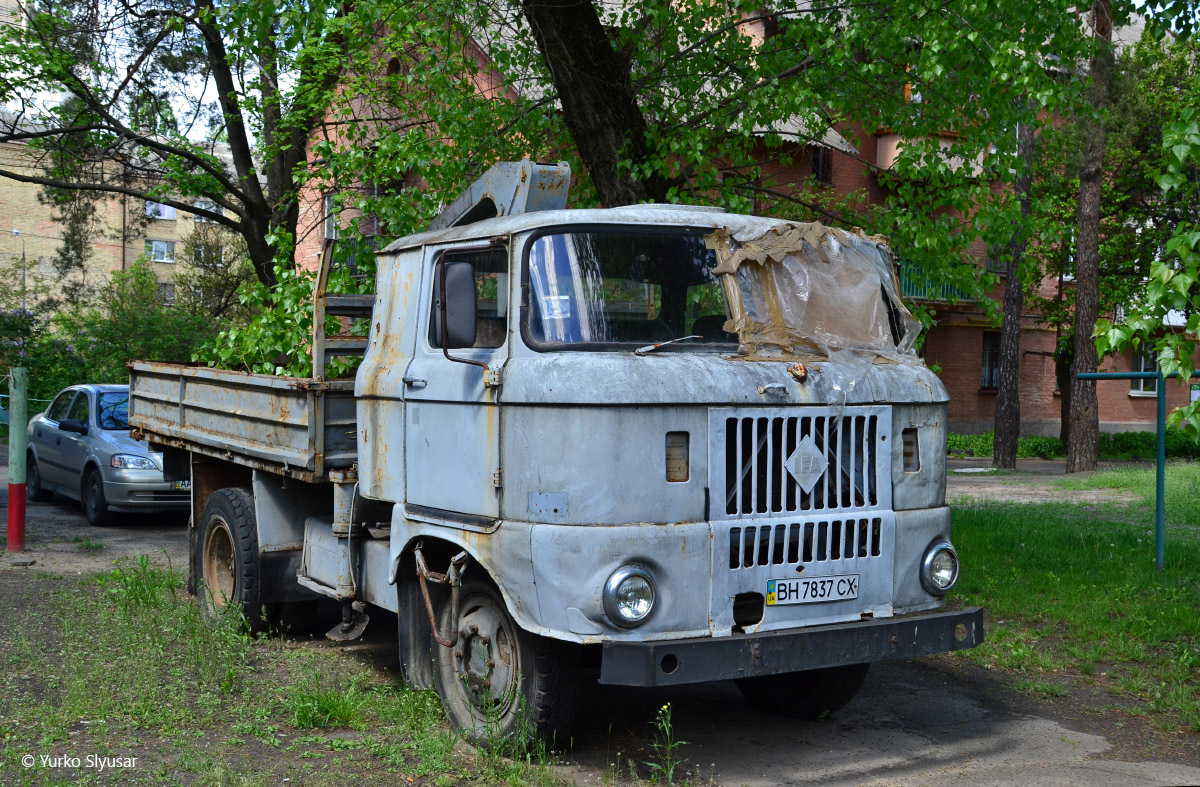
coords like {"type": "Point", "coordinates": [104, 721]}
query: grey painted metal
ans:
{"type": "Point", "coordinates": [553, 476]}
{"type": "Point", "coordinates": [704, 660]}
{"type": "Point", "coordinates": [298, 428]}
{"type": "Point", "coordinates": [506, 189]}
{"type": "Point", "coordinates": [18, 403]}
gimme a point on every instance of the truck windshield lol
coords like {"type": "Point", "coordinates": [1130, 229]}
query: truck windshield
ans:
{"type": "Point", "coordinates": [626, 287]}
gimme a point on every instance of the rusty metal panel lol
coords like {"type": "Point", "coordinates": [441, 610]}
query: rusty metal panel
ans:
{"type": "Point", "coordinates": [262, 421]}
{"type": "Point", "coordinates": [508, 188]}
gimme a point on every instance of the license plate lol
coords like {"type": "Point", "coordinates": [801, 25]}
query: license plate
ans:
{"type": "Point", "coordinates": [811, 590]}
{"type": "Point", "coordinates": [181, 485]}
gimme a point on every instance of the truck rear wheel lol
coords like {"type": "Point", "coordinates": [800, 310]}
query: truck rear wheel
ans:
{"type": "Point", "coordinates": [811, 695]}
{"type": "Point", "coordinates": [500, 682]}
{"type": "Point", "coordinates": [228, 560]}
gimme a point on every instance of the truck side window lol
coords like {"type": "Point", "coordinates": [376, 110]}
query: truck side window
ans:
{"type": "Point", "coordinates": [491, 295]}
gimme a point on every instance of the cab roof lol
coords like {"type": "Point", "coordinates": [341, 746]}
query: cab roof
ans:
{"type": "Point", "coordinates": [656, 215]}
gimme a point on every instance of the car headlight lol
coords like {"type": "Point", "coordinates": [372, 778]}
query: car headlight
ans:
{"type": "Point", "coordinates": [629, 596]}
{"type": "Point", "coordinates": [939, 568]}
{"type": "Point", "coordinates": [131, 462]}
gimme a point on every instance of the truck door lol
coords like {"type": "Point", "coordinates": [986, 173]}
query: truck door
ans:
{"type": "Point", "coordinates": [452, 419]}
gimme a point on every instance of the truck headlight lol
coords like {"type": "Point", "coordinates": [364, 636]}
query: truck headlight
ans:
{"type": "Point", "coordinates": [130, 462]}
{"type": "Point", "coordinates": [939, 568]}
{"type": "Point", "coordinates": [629, 596]}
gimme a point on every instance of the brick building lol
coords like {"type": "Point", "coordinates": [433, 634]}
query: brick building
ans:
{"type": "Point", "coordinates": [130, 229]}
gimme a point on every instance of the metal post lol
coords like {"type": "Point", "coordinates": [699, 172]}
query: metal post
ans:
{"type": "Point", "coordinates": [18, 420]}
{"type": "Point", "coordinates": [1160, 495]}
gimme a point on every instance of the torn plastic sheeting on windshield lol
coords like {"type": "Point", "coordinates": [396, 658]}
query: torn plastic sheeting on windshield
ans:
{"type": "Point", "coordinates": [815, 291]}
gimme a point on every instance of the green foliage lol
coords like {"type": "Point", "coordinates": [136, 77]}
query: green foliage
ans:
{"type": "Point", "coordinates": [278, 339]}
{"type": "Point", "coordinates": [27, 339]}
{"type": "Point", "coordinates": [129, 323]}
{"type": "Point", "coordinates": [1034, 446]}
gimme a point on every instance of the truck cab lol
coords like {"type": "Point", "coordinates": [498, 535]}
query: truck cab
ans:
{"type": "Point", "coordinates": [645, 446]}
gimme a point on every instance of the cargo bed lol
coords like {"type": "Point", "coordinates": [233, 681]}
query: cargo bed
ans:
{"type": "Point", "coordinates": [293, 426]}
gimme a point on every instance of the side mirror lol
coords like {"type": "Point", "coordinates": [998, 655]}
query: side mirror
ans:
{"type": "Point", "coordinates": [72, 425]}
{"type": "Point", "coordinates": [454, 305]}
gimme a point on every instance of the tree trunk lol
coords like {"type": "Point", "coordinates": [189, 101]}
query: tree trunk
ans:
{"type": "Point", "coordinates": [599, 105]}
{"type": "Point", "coordinates": [1008, 394]}
{"type": "Point", "coordinates": [1062, 375]}
{"type": "Point", "coordinates": [1085, 409]}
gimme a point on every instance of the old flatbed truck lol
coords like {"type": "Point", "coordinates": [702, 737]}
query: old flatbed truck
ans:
{"type": "Point", "coordinates": [643, 446]}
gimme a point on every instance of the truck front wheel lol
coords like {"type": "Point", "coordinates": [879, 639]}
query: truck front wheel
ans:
{"type": "Point", "coordinates": [811, 695]}
{"type": "Point", "coordinates": [228, 560]}
{"type": "Point", "coordinates": [499, 682]}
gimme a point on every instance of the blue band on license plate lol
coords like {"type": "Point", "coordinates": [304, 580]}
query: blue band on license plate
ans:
{"type": "Point", "coordinates": [811, 590]}
{"type": "Point", "coordinates": [181, 485]}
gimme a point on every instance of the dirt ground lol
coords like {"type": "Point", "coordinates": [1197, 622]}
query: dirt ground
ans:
{"type": "Point", "coordinates": [1034, 482]}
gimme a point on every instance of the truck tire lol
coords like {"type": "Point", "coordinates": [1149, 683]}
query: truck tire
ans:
{"type": "Point", "coordinates": [500, 682]}
{"type": "Point", "coordinates": [812, 695]}
{"type": "Point", "coordinates": [228, 566]}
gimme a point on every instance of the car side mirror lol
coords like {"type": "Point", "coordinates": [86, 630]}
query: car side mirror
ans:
{"type": "Point", "coordinates": [72, 425]}
{"type": "Point", "coordinates": [454, 305]}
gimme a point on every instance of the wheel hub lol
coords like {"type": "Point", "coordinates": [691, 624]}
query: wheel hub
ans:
{"type": "Point", "coordinates": [219, 572]}
{"type": "Point", "coordinates": [485, 661]}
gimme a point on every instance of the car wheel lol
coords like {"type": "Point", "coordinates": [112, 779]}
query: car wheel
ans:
{"type": "Point", "coordinates": [500, 682]}
{"type": "Point", "coordinates": [811, 695]}
{"type": "Point", "coordinates": [229, 565]}
{"type": "Point", "coordinates": [94, 506]}
{"type": "Point", "coordinates": [33, 482]}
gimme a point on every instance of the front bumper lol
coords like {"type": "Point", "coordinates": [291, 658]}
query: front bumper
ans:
{"type": "Point", "coordinates": [704, 659]}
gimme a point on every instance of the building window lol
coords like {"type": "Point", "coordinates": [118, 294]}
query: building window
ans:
{"type": "Point", "coordinates": [991, 361]}
{"type": "Point", "coordinates": [210, 206]}
{"type": "Point", "coordinates": [160, 250]}
{"type": "Point", "coordinates": [997, 259]}
{"type": "Point", "coordinates": [332, 221]}
{"type": "Point", "coordinates": [157, 210]}
{"type": "Point", "coordinates": [166, 293]}
{"type": "Point", "coordinates": [822, 165]}
{"type": "Point", "coordinates": [1144, 362]}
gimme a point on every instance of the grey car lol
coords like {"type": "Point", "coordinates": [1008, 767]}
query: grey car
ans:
{"type": "Point", "coordinates": [80, 447]}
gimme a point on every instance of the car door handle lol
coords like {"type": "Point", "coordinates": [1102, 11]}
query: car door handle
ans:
{"type": "Point", "coordinates": [58, 441]}
{"type": "Point", "coordinates": [414, 381]}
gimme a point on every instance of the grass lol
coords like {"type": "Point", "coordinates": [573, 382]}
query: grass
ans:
{"type": "Point", "coordinates": [1073, 595]}
{"type": "Point", "coordinates": [88, 545]}
{"type": "Point", "coordinates": [126, 665]}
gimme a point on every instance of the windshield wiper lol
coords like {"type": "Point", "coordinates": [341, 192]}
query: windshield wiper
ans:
{"type": "Point", "coordinates": [649, 348]}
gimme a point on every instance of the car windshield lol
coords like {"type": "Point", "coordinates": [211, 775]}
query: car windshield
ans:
{"type": "Point", "coordinates": [113, 411]}
{"type": "Point", "coordinates": [631, 287]}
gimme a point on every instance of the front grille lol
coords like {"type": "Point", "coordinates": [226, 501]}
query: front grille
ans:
{"type": "Point", "coordinates": [805, 542]}
{"type": "Point", "coordinates": [761, 472]}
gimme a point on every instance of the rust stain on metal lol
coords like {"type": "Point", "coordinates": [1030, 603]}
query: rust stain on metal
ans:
{"type": "Point", "coordinates": [798, 372]}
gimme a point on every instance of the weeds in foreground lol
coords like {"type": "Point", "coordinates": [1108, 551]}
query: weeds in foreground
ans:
{"type": "Point", "coordinates": [311, 705]}
{"type": "Point", "coordinates": [86, 544]}
{"type": "Point", "coordinates": [666, 748]}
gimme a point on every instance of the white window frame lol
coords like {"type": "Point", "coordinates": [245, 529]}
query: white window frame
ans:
{"type": "Point", "coordinates": [332, 219]}
{"type": "Point", "coordinates": [1144, 361]}
{"type": "Point", "coordinates": [209, 205]}
{"type": "Point", "coordinates": [167, 248]}
{"type": "Point", "coordinates": [157, 210]}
